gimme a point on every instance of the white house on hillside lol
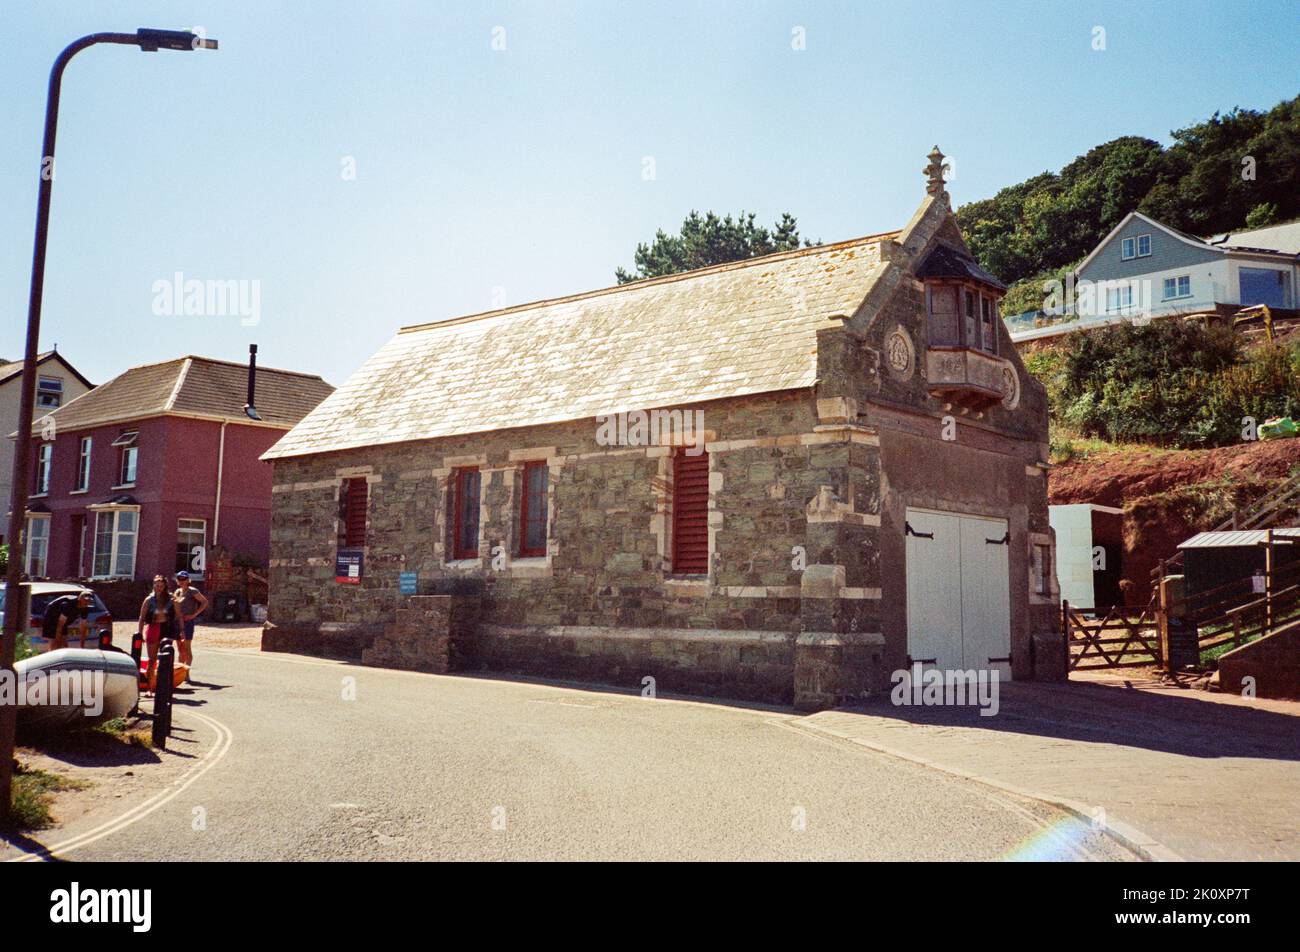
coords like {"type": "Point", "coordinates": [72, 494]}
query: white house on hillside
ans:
{"type": "Point", "coordinates": [1145, 269]}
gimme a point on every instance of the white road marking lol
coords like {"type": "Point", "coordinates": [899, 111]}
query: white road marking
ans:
{"type": "Point", "coordinates": [225, 737]}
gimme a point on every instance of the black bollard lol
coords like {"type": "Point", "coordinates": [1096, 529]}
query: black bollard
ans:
{"type": "Point", "coordinates": [137, 650]}
{"type": "Point", "coordinates": [142, 682]}
{"type": "Point", "coordinates": [162, 696]}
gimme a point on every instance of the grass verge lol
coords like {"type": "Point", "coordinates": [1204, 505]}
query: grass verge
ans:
{"type": "Point", "coordinates": [32, 794]}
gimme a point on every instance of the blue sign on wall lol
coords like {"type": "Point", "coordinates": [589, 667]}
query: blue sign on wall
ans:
{"type": "Point", "coordinates": [406, 582]}
{"type": "Point", "coordinates": [347, 566]}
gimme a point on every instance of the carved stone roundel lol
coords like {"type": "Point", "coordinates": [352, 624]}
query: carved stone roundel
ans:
{"type": "Point", "coordinates": [898, 352]}
{"type": "Point", "coordinates": [1010, 387]}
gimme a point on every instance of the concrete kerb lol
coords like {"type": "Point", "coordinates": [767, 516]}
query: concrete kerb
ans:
{"type": "Point", "coordinates": [1129, 837]}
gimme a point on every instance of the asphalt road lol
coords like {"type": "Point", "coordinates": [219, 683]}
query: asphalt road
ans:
{"type": "Point", "coordinates": [313, 760]}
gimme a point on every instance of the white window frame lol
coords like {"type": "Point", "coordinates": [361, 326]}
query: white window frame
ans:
{"type": "Point", "coordinates": [83, 464]}
{"type": "Point", "coordinates": [46, 386]}
{"type": "Point", "coordinates": [44, 466]}
{"type": "Point", "coordinates": [194, 574]}
{"type": "Point", "coordinates": [1123, 297]}
{"type": "Point", "coordinates": [1127, 249]}
{"type": "Point", "coordinates": [30, 537]}
{"type": "Point", "coordinates": [1177, 283]}
{"type": "Point", "coordinates": [131, 452]}
{"type": "Point", "coordinates": [116, 535]}
{"type": "Point", "coordinates": [1140, 240]}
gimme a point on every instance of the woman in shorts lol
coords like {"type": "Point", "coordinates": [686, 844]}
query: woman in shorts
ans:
{"type": "Point", "coordinates": [157, 619]}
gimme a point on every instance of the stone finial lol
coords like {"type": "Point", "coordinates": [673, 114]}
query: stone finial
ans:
{"type": "Point", "coordinates": [934, 172]}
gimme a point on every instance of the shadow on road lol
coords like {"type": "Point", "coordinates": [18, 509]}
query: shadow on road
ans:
{"type": "Point", "coordinates": [1126, 717]}
{"type": "Point", "coordinates": [89, 748]}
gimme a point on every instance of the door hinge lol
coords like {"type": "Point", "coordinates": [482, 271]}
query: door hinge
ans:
{"type": "Point", "coordinates": [908, 530]}
{"type": "Point", "coordinates": [1005, 540]}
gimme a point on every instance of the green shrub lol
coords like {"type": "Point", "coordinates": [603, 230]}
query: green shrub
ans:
{"type": "Point", "coordinates": [1171, 383]}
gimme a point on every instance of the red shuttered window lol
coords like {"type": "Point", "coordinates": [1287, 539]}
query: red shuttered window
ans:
{"type": "Point", "coordinates": [352, 513]}
{"type": "Point", "coordinates": [690, 514]}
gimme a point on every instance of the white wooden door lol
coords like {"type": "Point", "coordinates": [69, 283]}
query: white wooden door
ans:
{"type": "Point", "coordinates": [985, 595]}
{"type": "Point", "coordinates": [934, 588]}
{"type": "Point", "coordinates": [958, 591]}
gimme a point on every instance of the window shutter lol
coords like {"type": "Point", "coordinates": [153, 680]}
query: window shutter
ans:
{"type": "Point", "coordinates": [354, 514]}
{"type": "Point", "coordinates": [690, 514]}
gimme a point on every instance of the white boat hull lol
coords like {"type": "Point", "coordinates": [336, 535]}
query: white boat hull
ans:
{"type": "Point", "coordinates": [76, 687]}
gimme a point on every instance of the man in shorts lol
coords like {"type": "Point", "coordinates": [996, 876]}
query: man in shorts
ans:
{"type": "Point", "coordinates": [190, 604]}
{"type": "Point", "coordinates": [67, 611]}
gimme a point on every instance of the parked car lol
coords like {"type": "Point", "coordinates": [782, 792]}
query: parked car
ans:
{"type": "Point", "coordinates": [101, 619]}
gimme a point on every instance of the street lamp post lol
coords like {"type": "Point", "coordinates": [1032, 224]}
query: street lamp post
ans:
{"type": "Point", "coordinates": [16, 594]}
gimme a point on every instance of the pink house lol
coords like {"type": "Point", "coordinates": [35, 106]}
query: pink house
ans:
{"type": "Point", "coordinates": [130, 478]}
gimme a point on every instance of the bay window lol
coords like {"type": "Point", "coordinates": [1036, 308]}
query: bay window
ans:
{"type": "Point", "coordinates": [115, 538]}
{"type": "Point", "coordinates": [962, 315]}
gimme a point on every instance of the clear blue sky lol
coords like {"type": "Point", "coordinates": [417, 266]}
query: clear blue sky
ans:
{"type": "Point", "coordinates": [522, 169]}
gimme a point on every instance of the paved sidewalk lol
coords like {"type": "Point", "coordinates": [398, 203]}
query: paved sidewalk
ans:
{"type": "Point", "coordinates": [1206, 776]}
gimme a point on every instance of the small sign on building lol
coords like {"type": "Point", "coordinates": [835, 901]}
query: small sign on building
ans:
{"type": "Point", "coordinates": [348, 566]}
{"type": "Point", "coordinates": [406, 583]}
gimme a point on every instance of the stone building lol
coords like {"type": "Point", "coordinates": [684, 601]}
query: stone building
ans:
{"type": "Point", "coordinates": [779, 479]}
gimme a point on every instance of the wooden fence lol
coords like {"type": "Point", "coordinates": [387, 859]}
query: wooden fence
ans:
{"type": "Point", "coordinates": [1225, 617]}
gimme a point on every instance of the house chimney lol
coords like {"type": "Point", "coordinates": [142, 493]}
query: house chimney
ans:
{"type": "Point", "coordinates": [249, 410]}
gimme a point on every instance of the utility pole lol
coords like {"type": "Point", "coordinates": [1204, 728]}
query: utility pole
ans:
{"type": "Point", "coordinates": [17, 594]}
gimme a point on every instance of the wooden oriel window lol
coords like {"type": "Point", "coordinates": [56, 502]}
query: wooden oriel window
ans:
{"type": "Point", "coordinates": [354, 495]}
{"type": "Point", "coordinates": [690, 514]}
{"type": "Point", "coordinates": [945, 328]}
{"type": "Point", "coordinates": [465, 508]}
{"type": "Point", "coordinates": [962, 315]}
{"type": "Point", "coordinates": [988, 314]}
{"type": "Point", "coordinates": [533, 509]}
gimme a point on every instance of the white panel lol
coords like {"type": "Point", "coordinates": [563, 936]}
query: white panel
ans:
{"type": "Point", "coordinates": [1073, 525]}
{"type": "Point", "coordinates": [934, 588]}
{"type": "Point", "coordinates": [985, 594]}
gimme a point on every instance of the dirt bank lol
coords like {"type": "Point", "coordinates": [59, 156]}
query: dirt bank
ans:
{"type": "Point", "coordinates": [1169, 495]}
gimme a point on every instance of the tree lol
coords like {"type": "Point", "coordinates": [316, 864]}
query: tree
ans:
{"type": "Point", "coordinates": [1214, 177]}
{"type": "Point", "coordinates": [1263, 214]}
{"type": "Point", "coordinates": [708, 240]}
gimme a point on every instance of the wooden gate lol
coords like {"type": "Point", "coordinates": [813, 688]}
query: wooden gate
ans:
{"type": "Point", "coordinates": [1116, 638]}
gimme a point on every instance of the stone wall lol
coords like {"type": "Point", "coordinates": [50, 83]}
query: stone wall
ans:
{"type": "Point", "coordinates": [805, 598]}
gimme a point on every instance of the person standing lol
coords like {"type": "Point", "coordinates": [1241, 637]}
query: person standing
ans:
{"type": "Point", "coordinates": [68, 611]}
{"type": "Point", "coordinates": [157, 620]}
{"type": "Point", "coordinates": [190, 604]}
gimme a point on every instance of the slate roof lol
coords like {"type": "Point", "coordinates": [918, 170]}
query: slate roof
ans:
{"type": "Point", "coordinates": [12, 368]}
{"type": "Point", "coordinates": [195, 386]}
{"type": "Point", "coordinates": [734, 329]}
{"type": "Point", "coordinates": [947, 262]}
